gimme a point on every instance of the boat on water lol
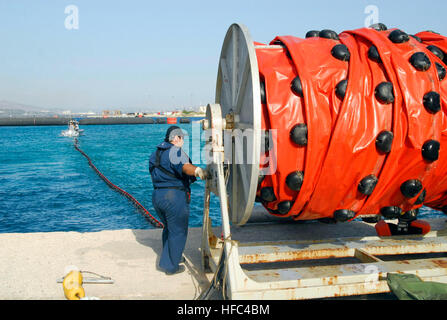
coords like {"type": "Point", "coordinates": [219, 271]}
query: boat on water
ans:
{"type": "Point", "coordinates": [73, 129]}
{"type": "Point", "coordinates": [171, 120]}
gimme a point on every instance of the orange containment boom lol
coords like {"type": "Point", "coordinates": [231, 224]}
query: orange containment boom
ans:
{"type": "Point", "coordinates": [361, 123]}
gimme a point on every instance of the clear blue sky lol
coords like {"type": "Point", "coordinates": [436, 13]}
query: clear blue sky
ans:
{"type": "Point", "coordinates": [144, 55]}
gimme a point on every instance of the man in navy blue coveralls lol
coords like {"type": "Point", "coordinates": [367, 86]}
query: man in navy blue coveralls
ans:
{"type": "Point", "coordinates": [172, 173]}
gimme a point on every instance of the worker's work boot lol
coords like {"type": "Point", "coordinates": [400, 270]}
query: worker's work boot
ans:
{"type": "Point", "coordinates": [179, 270]}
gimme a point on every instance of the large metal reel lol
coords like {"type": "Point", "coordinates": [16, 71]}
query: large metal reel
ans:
{"type": "Point", "coordinates": [238, 93]}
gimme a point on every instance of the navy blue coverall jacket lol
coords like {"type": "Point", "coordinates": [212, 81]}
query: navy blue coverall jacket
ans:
{"type": "Point", "coordinates": [171, 201]}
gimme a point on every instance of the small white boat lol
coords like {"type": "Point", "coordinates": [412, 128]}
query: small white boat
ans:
{"type": "Point", "coordinates": [73, 129]}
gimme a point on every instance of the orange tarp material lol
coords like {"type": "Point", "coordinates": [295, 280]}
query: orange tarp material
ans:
{"type": "Point", "coordinates": [437, 194]}
{"type": "Point", "coordinates": [342, 130]}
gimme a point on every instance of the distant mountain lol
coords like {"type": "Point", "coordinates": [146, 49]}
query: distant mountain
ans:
{"type": "Point", "coordinates": [9, 108]}
{"type": "Point", "coordinates": [9, 105]}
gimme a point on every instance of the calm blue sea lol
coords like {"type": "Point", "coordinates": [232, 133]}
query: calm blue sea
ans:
{"type": "Point", "coordinates": [46, 185]}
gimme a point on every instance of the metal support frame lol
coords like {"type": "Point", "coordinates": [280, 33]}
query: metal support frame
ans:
{"type": "Point", "coordinates": [367, 276]}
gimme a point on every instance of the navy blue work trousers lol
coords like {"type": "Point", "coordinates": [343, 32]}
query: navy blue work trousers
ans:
{"type": "Point", "coordinates": [173, 209]}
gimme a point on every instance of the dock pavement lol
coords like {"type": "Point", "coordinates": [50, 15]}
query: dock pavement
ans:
{"type": "Point", "coordinates": [31, 263]}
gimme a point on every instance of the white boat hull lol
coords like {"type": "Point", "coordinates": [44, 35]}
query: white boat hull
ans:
{"type": "Point", "coordinates": [72, 133]}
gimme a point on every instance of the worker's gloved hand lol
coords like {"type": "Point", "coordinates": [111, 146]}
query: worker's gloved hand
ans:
{"type": "Point", "coordinates": [200, 173]}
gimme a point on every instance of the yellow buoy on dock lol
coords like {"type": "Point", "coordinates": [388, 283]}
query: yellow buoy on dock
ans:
{"type": "Point", "coordinates": [72, 285]}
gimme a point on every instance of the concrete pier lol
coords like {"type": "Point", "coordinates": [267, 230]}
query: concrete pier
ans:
{"type": "Point", "coordinates": [48, 121]}
{"type": "Point", "coordinates": [31, 263]}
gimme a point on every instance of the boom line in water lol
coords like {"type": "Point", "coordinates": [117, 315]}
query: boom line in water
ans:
{"type": "Point", "coordinates": [138, 205]}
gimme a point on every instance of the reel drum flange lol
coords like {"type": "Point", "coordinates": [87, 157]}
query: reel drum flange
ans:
{"type": "Point", "coordinates": [238, 94]}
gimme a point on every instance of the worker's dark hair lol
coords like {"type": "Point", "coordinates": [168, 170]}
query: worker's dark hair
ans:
{"type": "Point", "coordinates": [172, 132]}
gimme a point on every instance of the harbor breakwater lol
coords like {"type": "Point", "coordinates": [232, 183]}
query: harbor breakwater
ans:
{"type": "Point", "coordinates": [49, 121]}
